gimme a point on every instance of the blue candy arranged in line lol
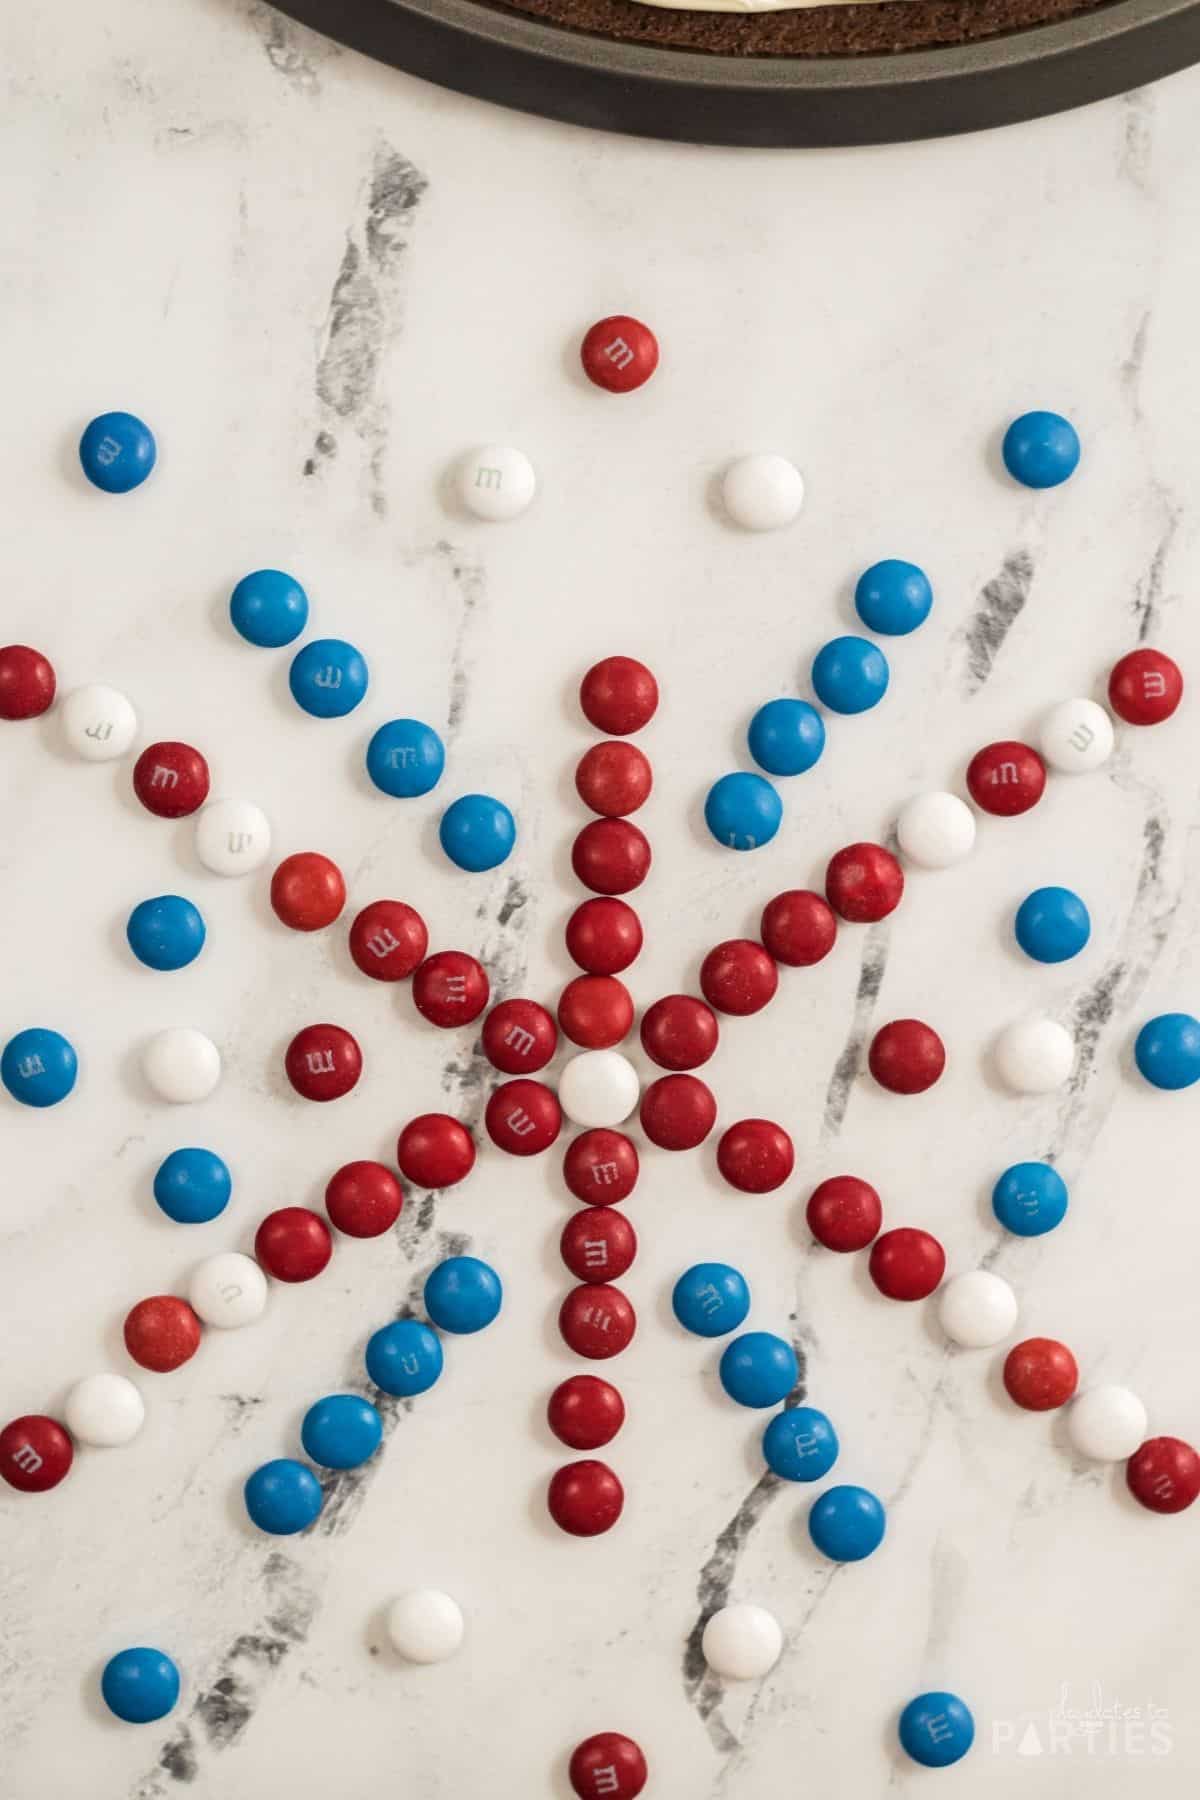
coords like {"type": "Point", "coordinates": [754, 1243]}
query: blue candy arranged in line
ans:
{"type": "Point", "coordinates": [193, 1186]}
{"type": "Point", "coordinates": [1167, 1050]}
{"type": "Point", "coordinates": [847, 1523]}
{"type": "Point", "coordinates": [786, 737]}
{"type": "Point", "coordinates": [743, 811]}
{"type": "Point", "coordinates": [140, 1685]}
{"type": "Point", "coordinates": [1052, 925]}
{"type": "Point", "coordinates": [166, 932]}
{"type": "Point", "coordinates": [341, 1431]}
{"type": "Point", "coordinates": [477, 832]}
{"type": "Point", "coordinates": [1030, 1199]}
{"type": "Point", "coordinates": [463, 1294]}
{"type": "Point", "coordinates": [850, 675]}
{"type": "Point", "coordinates": [117, 452]}
{"type": "Point", "coordinates": [38, 1067]}
{"type": "Point", "coordinates": [936, 1729]}
{"type": "Point", "coordinates": [268, 608]}
{"type": "Point", "coordinates": [800, 1444]}
{"type": "Point", "coordinates": [283, 1497]}
{"type": "Point", "coordinates": [404, 1358]}
{"type": "Point", "coordinates": [1041, 449]}
{"type": "Point", "coordinates": [893, 597]}
{"type": "Point", "coordinates": [759, 1369]}
{"type": "Point", "coordinates": [328, 678]}
{"type": "Point", "coordinates": [405, 758]}
{"type": "Point", "coordinates": [710, 1299]}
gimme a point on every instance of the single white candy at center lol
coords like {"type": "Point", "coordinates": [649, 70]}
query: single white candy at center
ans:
{"type": "Point", "coordinates": [598, 1087]}
{"type": "Point", "coordinates": [233, 837]}
{"type": "Point", "coordinates": [1106, 1423]}
{"type": "Point", "coordinates": [1034, 1056]}
{"type": "Point", "coordinates": [425, 1625]}
{"type": "Point", "coordinates": [181, 1065]}
{"type": "Point", "coordinates": [977, 1309]}
{"type": "Point", "coordinates": [742, 1642]}
{"type": "Point", "coordinates": [98, 723]}
{"type": "Point", "coordinates": [228, 1290]}
{"type": "Point", "coordinates": [1076, 736]}
{"type": "Point", "coordinates": [106, 1410]}
{"type": "Point", "coordinates": [762, 492]}
{"type": "Point", "coordinates": [496, 482]}
{"type": "Point", "coordinates": [935, 831]}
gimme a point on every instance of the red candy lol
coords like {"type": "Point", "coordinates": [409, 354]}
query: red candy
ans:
{"type": "Point", "coordinates": [619, 354]}
{"type": "Point", "coordinates": [755, 1156]}
{"type": "Point", "coordinates": [519, 1037]}
{"type": "Point", "coordinates": [798, 928]}
{"type": "Point", "coordinates": [1144, 688]}
{"type": "Point", "coordinates": [598, 1244]}
{"type": "Point", "coordinates": [363, 1199]}
{"type": "Point", "coordinates": [585, 1498]}
{"type": "Point", "coordinates": [323, 1062]}
{"type": "Point", "coordinates": [1164, 1474]}
{"type": "Point", "coordinates": [613, 779]}
{"type": "Point", "coordinates": [738, 977]}
{"type": "Point", "coordinates": [906, 1057]}
{"type": "Point", "coordinates": [450, 988]}
{"type": "Point", "coordinates": [597, 1322]}
{"type": "Point", "coordinates": [293, 1244]}
{"type": "Point", "coordinates": [864, 883]}
{"type": "Point", "coordinates": [162, 1333]}
{"type": "Point", "coordinates": [618, 695]}
{"type": "Point", "coordinates": [27, 682]}
{"type": "Point", "coordinates": [607, 1767]}
{"type": "Point", "coordinates": [611, 856]}
{"type": "Point", "coordinates": [679, 1032]}
{"type": "Point", "coordinates": [435, 1151]}
{"type": "Point", "coordinates": [523, 1117]}
{"type": "Point", "coordinates": [604, 936]}
{"type": "Point", "coordinates": [1040, 1374]}
{"type": "Point", "coordinates": [906, 1264]}
{"type": "Point", "coordinates": [1006, 778]}
{"type": "Point", "coordinates": [678, 1112]}
{"type": "Point", "coordinates": [307, 891]}
{"type": "Point", "coordinates": [388, 940]}
{"type": "Point", "coordinates": [585, 1412]}
{"type": "Point", "coordinates": [595, 1011]}
{"type": "Point", "coordinates": [844, 1213]}
{"type": "Point", "coordinates": [601, 1167]}
{"type": "Point", "coordinates": [171, 780]}
{"type": "Point", "coordinates": [35, 1453]}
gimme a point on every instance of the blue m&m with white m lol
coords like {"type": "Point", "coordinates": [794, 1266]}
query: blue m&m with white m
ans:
{"type": "Point", "coordinates": [786, 737]}
{"type": "Point", "coordinates": [193, 1185]}
{"type": "Point", "coordinates": [759, 1369]}
{"type": "Point", "coordinates": [268, 608]}
{"type": "Point", "coordinates": [800, 1444]}
{"type": "Point", "coordinates": [477, 832]}
{"type": "Point", "coordinates": [405, 758]}
{"type": "Point", "coordinates": [1030, 1199]}
{"type": "Point", "coordinates": [1041, 449]}
{"type": "Point", "coordinates": [341, 1431]}
{"type": "Point", "coordinates": [463, 1294]}
{"type": "Point", "coordinates": [711, 1299]}
{"type": "Point", "coordinates": [283, 1497]}
{"type": "Point", "coordinates": [117, 452]}
{"type": "Point", "coordinates": [404, 1358]}
{"type": "Point", "coordinates": [850, 675]}
{"type": "Point", "coordinates": [328, 678]}
{"type": "Point", "coordinates": [847, 1523]}
{"type": "Point", "coordinates": [38, 1067]}
{"type": "Point", "coordinates": [140, 1685]}
{"type": "Point", "coordinates": [166, 932]}
{"type": "Point", "coordinates": [936, 1729]}
{"type": "Point", "coordinates": [1052, 925]}
{"type": "Point", "coordinates": [743, 811]}
{"type": "Point", "coordinates": [893, 597]}
{"type": "Point", "coordinates": [1167, 1051]}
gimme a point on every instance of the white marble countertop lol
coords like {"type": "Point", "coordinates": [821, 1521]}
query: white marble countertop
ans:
{"type": "Point", "coordinates": [320, 281]}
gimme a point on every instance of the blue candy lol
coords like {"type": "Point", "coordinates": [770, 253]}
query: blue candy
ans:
{"type": "Point", "coordinates": [477, 832]}
{"type": "Point", "coordinates": [38, 1067]}
{"type": "Point", "coordinates": [846, 1523]}
{"type": "Point", "coordinates": [850, 675]}
{"type": "Point", "coordinates": [1167, 1050]}
{"type": "Point", "coordinates": [117, 452]}
{"type": "Point", "coordinates": [711, 1299]}
{"type": "Point", "coordinates": [166, 933]}
{"type": "Point", "coordinates": [1052, 925]}
{"type": "Point", "coordinates": [1030, 1199]}
{"type": "Point", "coordinates": [786, 737]}
{"type": "Point", "coordinates": [759, 1369]}
{"type": "Point", "coordinates": [341, 1431]}
{"type": "Point", "coordinates": [405, 758]}
{"type": "Point", "coordinates": [936, 1730]}
{"type": "Point", "coordinates": [192, 1186]}
{"type": "Point", "coordinates": [893, 597]}
{"type": "Point", "coordinates": [268, 608]}
{"type": "Point", "coordinates": [404, 1358]}
{"type": "Point", "coordinates": [140, 1685]}
{"type": "Point", "coordinates": [328, 678]}
{"type": "Point", "coordinates": [800, 1444]}
{"type": "Point", "coordinates": [742, 811]}
{"type": "Point", "coordinates": [463, 1294]}
{"type": "Point", "coordinates": [283, 1497]}
{"type": "Point", "coordinates": [1041, 449]}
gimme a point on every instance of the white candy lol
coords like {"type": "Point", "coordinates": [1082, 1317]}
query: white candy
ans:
{"type": "Point", "coordinates": [1034, 1056]}
{"type": "Point", "coordinates": [762, 492]}
{"type": "Point", "coordinates": [106, 1410]}
{"type": "Point", "coordinates": [98, 723]}
{"type": "Point", "coordinates": [977, 1309]}
{"type": "Point", "coordinates": [228, 1290]}
{"type": "Point", "coordinates": [598, 1087]}
{"type": "Point", "coordinates": [425, 1626]}
{"type": "Point", "coordinates": [233, 837]}
{"type": "Point", "coordinates": [1076, 737]}
{"type": "Point", "coordinates": [1106, 1423]}
{"type": "Point", "coordinates": [742, 1642]}
{"type": "Point", "coordinates": [181, 1064]}
{"type": "Point", "coordinates": [936, 830]}
{"type": "Point", "coordinates": [496, 482]}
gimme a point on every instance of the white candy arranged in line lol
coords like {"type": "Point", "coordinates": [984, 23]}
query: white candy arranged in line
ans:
{"type": "Point", "coordinates": [233, 837]}
{"type": "Point", "coordinates": [762, 492]}
{"type": "Point", "coordinates": [742, 1642]}
{"type": "Point", "coordinates": [425, 1626]}
{"type": "Point", "coordinates": [1076, 736]}
{"type": "Point", "coordinates": [598, 1087]}
{"type": "Point", "coordinates": [228, 1290]}
{"type": "Point", "coordinates": [977, 1309]}
{"type": "Point", "coordinates": [496, 482]}
{"type": "Point", "coordinates": [106, 1410]}
{"type": "Point", "coordinates": [181, 1064]}
{"type": "Point", "coordinates": [1107, 1423]}
{"type": "Point", "coordinates": [936, 831]}
{"type": "Point", "coordinates": [1034, 1056]}
{"type": "Point", "coordinates": [98, 723]}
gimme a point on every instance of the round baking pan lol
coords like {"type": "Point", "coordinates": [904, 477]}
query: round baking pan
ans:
{"type": "Point", "coordinates": [767, 101]}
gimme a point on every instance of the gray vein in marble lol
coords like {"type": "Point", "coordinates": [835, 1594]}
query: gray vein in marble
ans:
{"type": "Point", "coordinates": [1001, 601]}
{"type": "Point", "coordinates": [291, 50]}
{"type": "Point", "coordinates": [1136, 153]}
{"type": "Point", "coordinates": [1148, 594]}
{"type": "Point", "coordinates": [845, 1069]}
{"type": "Point", "coordinates": [1135, 362]}
{"type": "Point", "coordinates": [468, 579]}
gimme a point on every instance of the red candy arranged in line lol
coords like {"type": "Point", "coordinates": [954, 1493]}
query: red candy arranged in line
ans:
{"type": "Point", "coordinates": [618, 696]}
{"type": "Point", "coordinates": [601, 1166]}
{"type": "Point", "coordinates": [844, 1213]}
{"type": "Point", "coordinates": [323, 1062]}
{"type": "Point", "coordinates": [678, 1112]}
{"type": "Point", "coordinates": [798, 928]}
{"type": "Point", "coordinates": [35, 1453]}
{"type": "Point", "coordinates": [293, 1243]}
{"type": "Point", "coordinates": [307, 891]}
{"type": "Point", "coordinates": [595, 1011]}
{"type": "Point", "coordinates": [1145, 687]}
{"type": "Point", "coordinates": [907, 1264]}
{"type": "Point", "coordinates": [27, 682]}
{"type": "Point", "coordinates": [388, 940]}
{"type": "Point", "coordinates": [864, 883]}
{"type": "Point", "coordinates": [604, 935]}
{"type": "Point", "coordinates": [1164, 1474]}
{"type": "Point", "coordinates": [1040, 1374]}
{"type": "Point", "coordinates": [585, 1412]}
{"type": "Point", "coordinates": [523, 1117]}
{"type": "Point", "coordinates": [363, 1199]}
{"type": "Point", "coordinates": [162, 1333]}
{"type": "Point", "coordinates": [585, 1498]}
{"type": "Point", "coordinates": [679, 1032]}
{"type": "Point", "coordinates": [450, 988]}
{"type": "Point", "coordinates": [738, 977]}
{"type": "Point", "coordinates": [435, 1151]}
{"type": "Point", "coordinates": [597, 1321]}
{"type": "Point", "coordinates": [755, 1156]}
{"type": "Point", "coordinates": [171, 780]}
{"type": "Point", "coordinates": [519, 1037]}
{"type": "Point", "coordinates": [607, 1766]}
{"type": "Point", "coordinates": [619, 354]}
{"type": "Point", "coordinates": [611, 856]}
{"type": "Point", "coordinates": [613, 779]}
{"type": "Point", "coordinates": [1006, 778]}
{"type": "Point", "coordinates": [906, 1056]}
{"type": "Point", "coordinates": [598, 1244]}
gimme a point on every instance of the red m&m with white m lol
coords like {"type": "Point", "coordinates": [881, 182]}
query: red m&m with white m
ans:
{"type": "Point", "coordinates": [619, 353]}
